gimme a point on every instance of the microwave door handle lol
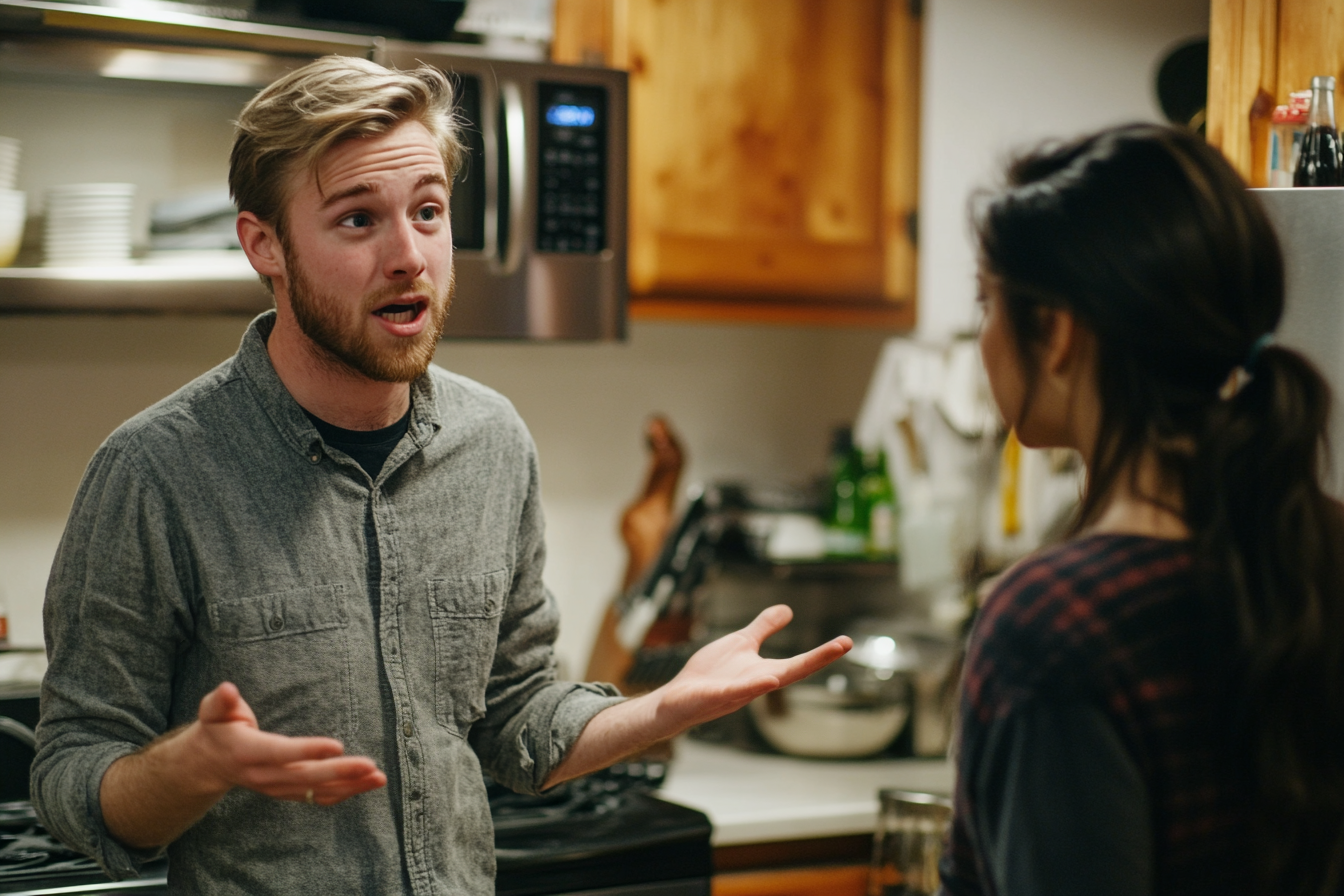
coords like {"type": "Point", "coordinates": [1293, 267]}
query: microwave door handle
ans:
{"type": "Point", "coordinates": [515, 194]}
{"type": "Point", "coordinates": [489, 128]}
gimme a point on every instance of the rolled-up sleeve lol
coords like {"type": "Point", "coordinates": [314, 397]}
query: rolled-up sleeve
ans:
{"type": "Point", "coordinates": [114, 618]}
{"type": "Point", "coordinates": [532, 719]}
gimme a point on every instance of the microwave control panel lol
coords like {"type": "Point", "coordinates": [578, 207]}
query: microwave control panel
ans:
{"type": "Point", "coordinates": [572, 199]}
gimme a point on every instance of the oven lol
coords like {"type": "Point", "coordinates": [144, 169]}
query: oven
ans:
{"type": "Point", "coordinates": [603, 835]}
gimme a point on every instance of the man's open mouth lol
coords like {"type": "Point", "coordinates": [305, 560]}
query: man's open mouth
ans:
{"type": "Point", "coordinates": [399, 313]}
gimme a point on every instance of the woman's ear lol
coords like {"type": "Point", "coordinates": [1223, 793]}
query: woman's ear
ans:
{"type": "Point", "coordinates": [1067, 347]}
{"type": "Point", "coordinates": [261, 245]}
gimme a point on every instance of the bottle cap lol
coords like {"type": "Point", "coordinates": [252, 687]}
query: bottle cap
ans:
{"type": "Point", "coordinates": [1323, 82]}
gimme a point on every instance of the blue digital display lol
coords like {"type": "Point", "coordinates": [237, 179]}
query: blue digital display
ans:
{"type": "Point", "coordinates": [567, 116]}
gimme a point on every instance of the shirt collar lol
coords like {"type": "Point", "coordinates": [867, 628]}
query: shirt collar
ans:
{"type": "Point", "coordinates": [254, 363]}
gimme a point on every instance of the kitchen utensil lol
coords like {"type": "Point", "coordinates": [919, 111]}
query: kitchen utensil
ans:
{"type": "Point", "coordinates": [908, 843]}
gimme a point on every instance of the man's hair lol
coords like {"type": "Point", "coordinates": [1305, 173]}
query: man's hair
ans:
{"type": "Point", "coordinates": [291, 124]}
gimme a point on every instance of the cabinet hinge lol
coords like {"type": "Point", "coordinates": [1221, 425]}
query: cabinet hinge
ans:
{"type": "Point", "coordinates": [912, 227]}
{"type": "Point", "coordinates": [916, 9]}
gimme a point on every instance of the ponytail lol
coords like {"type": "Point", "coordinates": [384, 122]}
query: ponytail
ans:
{"type": "Point", "coordinates": [1270, 545]}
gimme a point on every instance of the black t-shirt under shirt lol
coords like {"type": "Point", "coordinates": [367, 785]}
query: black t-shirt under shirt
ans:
{"type": "Point", "coordinates": [368, 448]}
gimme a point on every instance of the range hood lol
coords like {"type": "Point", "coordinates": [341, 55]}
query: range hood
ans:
{"type": "Point", "coordinates": [539, 230]}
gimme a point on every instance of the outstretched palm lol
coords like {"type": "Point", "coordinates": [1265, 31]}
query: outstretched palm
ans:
{"type": "Point", "coordinates": [729, 673]}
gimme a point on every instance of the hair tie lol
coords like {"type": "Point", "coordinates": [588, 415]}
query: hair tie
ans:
{"type": "Point", "coordinates": [1244, 372]}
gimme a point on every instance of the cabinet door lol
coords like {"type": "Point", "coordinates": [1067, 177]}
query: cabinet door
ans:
{"type": "Point", "coordinates": [772, 154]}
{"type": "Point", "coordinates": [850, 880]}
{"type": "Point", "coordinates": [1311, 42]}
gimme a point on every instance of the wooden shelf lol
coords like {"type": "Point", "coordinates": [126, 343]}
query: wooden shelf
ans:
{"type": "Point", "coordinates": [231, 288]}
{"type": "Point", "coordinates": [897, 317]}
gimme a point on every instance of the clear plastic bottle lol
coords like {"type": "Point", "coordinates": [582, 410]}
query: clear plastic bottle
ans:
{"type": "Point", "coordinates": [1319, 163]}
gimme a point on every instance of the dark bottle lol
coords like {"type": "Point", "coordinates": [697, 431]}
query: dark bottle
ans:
{"type": "Point", "coordinates": [1319, 163]}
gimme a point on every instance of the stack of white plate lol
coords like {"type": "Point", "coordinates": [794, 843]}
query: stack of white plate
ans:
{"type": "Point", "coordinates": [9, 162]}
{"type": "Point", "coordinates": [89, 224]}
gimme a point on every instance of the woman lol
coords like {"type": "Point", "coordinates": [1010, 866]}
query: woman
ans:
{"type": "Point", "coordinates": [1156, 705]}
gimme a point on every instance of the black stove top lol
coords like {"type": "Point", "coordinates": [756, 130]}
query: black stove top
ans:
{"type": "Point", "coordinates": [33, 862]}
{"type": "Point", "coordinates": [601, 833]}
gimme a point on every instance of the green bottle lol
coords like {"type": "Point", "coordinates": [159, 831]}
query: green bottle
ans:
{"type": "Point", "coordinates": [846, 515]}
{"type": "Point", "coordinates": [877, 496]}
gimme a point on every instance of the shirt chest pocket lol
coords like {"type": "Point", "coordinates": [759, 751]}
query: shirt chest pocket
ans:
{"type": "Point", "coordinates": [464, 614]}
{"type": "Point", "coordinates": [289, 654]}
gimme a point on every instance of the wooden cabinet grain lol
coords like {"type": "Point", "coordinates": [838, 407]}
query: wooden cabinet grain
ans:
{"type": "Point", "coordinates": [773, 154]}
{"type": "Point", "coordinates": [1259, 51]}
{"type": "Point", "coordinates": [843, 880]}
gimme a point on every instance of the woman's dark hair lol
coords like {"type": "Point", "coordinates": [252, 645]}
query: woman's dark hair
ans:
{"type": "Point", "coordinates": [1149, 238]}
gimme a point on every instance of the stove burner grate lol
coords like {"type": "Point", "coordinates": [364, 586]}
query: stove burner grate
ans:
{"type": "Point", "coordinates": [32, 853]}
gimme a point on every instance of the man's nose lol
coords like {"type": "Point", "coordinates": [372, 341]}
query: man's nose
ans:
{"type": "Point", "coordinates": [404, 258]}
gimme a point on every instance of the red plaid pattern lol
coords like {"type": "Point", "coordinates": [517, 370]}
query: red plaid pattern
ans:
{"type": "Point", "coordinates": [1115, 620]}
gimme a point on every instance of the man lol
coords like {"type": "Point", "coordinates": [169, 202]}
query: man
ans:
{"type": "Point", "coordinates": [298, 606]}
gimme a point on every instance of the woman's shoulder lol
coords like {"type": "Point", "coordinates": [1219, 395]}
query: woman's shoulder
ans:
{"type": "Point", "coordinates": [1063, 605]}
{"type": "Point", "coordinates": [1096, 568]}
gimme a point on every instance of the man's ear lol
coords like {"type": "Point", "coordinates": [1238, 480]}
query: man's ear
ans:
{"type": "Point", "coordinates": [261, 245]}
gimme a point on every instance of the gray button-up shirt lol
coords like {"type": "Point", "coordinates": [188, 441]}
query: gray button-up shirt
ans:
{"type": "Point", "coordinates": [215, 537]}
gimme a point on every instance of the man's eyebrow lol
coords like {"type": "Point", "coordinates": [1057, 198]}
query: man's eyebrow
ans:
{"type": "Point", "coordinates": [362, 188]}
{"type": "Point", "coordinates": [355, 190]}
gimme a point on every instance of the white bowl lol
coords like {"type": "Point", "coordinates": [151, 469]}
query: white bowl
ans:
{"type": "Point", "coordinates": [13, 214]}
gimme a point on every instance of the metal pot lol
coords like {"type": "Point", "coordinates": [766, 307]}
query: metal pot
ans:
{"type": "Point", "coordinates": [827, 716]}
{"type": "Point", "coordinates": [861, 703]}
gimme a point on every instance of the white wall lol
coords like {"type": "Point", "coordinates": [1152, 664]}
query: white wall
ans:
{"type": "Point", "coordinates": [1000, 75]}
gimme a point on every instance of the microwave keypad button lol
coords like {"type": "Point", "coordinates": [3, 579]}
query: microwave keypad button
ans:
{"type": "Point", "coordinates": [571, 205]}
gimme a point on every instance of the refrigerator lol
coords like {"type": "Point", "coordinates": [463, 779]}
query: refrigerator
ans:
{"type": "Point", "coordinates": [1310, 226]}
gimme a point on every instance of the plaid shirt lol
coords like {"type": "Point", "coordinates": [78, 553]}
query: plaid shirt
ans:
{"type": "Point", "coordinates": [1114, 620]}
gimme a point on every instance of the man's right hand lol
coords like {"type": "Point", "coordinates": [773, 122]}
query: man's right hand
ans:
{"type": "Point", "coordinates": [151, 797]}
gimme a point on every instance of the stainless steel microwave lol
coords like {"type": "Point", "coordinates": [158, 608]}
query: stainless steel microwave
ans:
{"type": "Point", "coordinates": [539, 207]}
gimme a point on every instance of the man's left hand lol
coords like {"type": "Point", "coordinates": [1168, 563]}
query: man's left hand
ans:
{"type": "Point", "coordinates": [720, 677]}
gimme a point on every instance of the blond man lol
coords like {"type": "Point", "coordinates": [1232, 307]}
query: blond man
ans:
{"type": "Point", "coordinates": [298, 608]}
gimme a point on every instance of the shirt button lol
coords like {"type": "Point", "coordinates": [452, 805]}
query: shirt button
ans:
{"type": "Point", "coordinates": [406, 728]}
{"type": "Point", "coordinates": [315, 452]}
{"type": "Point", "coordinates": [277, 622]}
{"type": "Point", "coordinates": [415, 794]}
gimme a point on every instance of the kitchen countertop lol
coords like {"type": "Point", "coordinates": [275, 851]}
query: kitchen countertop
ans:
{"type": "Point", "coordinates": [761, 798]}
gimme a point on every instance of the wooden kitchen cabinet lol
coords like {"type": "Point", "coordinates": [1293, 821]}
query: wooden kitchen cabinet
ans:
{"type": "Point", "coordinates": [1260, 51]}
{"type": "Point", "coordinates": [846, 880]}
{"type": "Point", "coordinates": [825, 866]}
{"type": "Point", "coordinates": [773, 154]}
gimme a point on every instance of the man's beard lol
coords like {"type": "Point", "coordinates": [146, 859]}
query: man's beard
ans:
{"type": "Point", "coordinates": [345, 346]}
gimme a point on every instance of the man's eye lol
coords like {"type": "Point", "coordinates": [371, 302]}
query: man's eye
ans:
{"type": "Point", "coordinates": [358, 219]}
{"type": "Point", "coordinates": [428, 213]}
